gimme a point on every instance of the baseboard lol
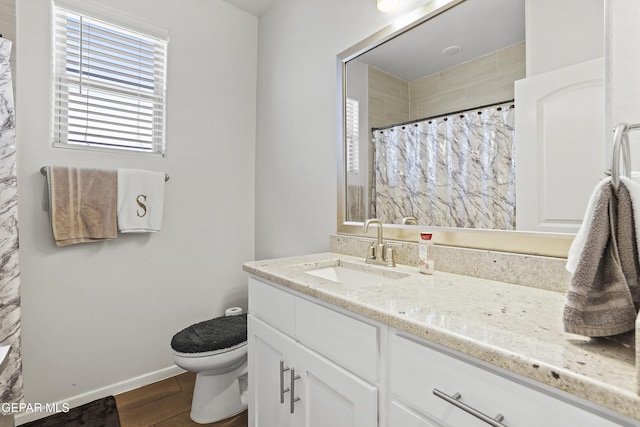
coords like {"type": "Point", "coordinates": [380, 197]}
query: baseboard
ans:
{"type": "Point", "coordinates": [110, 390]}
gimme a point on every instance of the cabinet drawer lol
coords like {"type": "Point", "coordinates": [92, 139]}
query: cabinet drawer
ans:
{"type": "Point", "coordinates": [272, 305]}
{"type": "Point", "coordinates": [416, 370]}
{"type": "Point", "coordinates": [399, 416]}
{"type": "Point", "coordinates": [346, 341]}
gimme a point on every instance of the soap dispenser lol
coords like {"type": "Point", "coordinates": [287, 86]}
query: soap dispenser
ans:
{"type": "Point", "coordinates": [425, 254]}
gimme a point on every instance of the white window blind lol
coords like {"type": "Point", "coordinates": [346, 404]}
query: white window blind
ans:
{"type": "Point", "coordinates": [109, 85]}
{"type": "Point", "coordinates": [353, 167]}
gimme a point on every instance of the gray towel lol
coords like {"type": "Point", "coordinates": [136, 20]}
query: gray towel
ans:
{"type": "Point", "coordinates": [603, 296]}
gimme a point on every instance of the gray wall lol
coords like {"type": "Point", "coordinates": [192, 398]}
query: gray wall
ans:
{"type": "Point", "coordinates": [296, 130]}
{"type": "Point", "coordinates": [98, 317]}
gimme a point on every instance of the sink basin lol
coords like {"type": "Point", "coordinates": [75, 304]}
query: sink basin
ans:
{"type": "Point", "coordinates": [355, 274]}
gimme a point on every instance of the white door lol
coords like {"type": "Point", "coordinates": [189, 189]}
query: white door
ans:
{"type": "Point", "coordinates": [267, 396]}
{"type": "Point", "coordinates": [330, 395]}
{"type": "Point", "coordinates": [561, 146]}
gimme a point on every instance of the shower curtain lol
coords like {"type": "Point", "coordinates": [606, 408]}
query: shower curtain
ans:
{"type": "Point", "coordinates": [11, 369]}
{"type": "Point", "coordinates": [451, 171]}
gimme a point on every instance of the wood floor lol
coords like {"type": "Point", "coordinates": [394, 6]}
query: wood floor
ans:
{"type": "Point", "coordinates": [165, 404]}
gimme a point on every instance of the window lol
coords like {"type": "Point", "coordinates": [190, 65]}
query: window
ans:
{"type": "Point", "coordinates": [353, 167]}
{"type": "Point", "coordinates": [109, 85]}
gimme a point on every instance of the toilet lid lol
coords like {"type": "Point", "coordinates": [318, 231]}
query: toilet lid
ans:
{"type": "Point", "coordinates": [214, 334]}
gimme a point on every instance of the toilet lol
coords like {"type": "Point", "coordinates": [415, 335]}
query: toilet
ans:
{"type": "Point", "coordinates": [216, 350]}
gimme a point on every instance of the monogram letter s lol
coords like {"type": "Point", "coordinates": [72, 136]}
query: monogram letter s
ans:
{"type": "Point", "coordinates": [142, 205]}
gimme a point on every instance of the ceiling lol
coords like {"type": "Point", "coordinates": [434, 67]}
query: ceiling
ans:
{"type": "Point", "coordinates": [477, 26]}
{"type": "Point", "coordinates": [254, 7]}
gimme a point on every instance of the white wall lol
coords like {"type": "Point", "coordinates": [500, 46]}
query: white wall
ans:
{"type": "Point", "coordinates": [296, 140]}
{"type": "Point", "coordinates": [562, 33]}
{"type": "Point", "coordinates": [623, 74]}
{"type": "Point", "coordinates": [98, 314]}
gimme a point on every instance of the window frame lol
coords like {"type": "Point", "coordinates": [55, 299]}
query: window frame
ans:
{"type": "Point", "coordinates": [157, 98]}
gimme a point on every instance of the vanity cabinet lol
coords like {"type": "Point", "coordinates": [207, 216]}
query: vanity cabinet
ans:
{"type": "Point", "coordinates": [301, 372]}
{"type": "Point", "coordinates": [344, 370]}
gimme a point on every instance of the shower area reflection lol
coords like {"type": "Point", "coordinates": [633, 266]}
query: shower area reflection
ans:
{"type": "Point", "coordinates": [453, 170]}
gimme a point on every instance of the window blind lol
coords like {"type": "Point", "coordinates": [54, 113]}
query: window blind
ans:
{"type": "Point", "coordinates": [109, 85]}
{"type": "Point", "coordinates": [353, 167]}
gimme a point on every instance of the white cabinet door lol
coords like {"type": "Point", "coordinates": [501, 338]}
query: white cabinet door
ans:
{"type": "Point", "coordinates": [330, 395]}
{"type": "Point", "coordinates": [267, 347]}
{"type": "Point", "coordinates": [325, 393]}
{"type": "Point", "coordinates": [561, 146]}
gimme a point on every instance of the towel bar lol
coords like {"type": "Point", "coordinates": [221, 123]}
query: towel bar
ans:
{"type": "Point", "coordinates": [43, 171]}
{"type": "Point", "coordinates": [621, 144]}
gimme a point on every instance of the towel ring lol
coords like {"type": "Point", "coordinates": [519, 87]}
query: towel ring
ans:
{"type": "Point", "coordinates": [620, 142]}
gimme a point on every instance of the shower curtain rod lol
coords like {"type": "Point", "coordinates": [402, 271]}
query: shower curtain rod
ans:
{"type": "Point", "coordinates": [410, 122]}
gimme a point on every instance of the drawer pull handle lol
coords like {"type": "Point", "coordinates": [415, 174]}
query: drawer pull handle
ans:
{"type": "Point", "coordinates": [294, 377]}
{"type": "Point", "coordinates": [454, 400]}
{"type": "Point", "coordinates": [282, 389]}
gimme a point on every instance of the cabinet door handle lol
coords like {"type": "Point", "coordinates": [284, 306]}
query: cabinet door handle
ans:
{"type": "Point", "coordinates": [282, 389]}
{"type": "Point", "coordinates": [294, 377]}
{"type": "Point", "coordinates": [454, 400]}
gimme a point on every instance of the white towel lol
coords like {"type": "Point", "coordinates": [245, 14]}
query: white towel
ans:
{"type": "Point", "coordinates": [140, 200]}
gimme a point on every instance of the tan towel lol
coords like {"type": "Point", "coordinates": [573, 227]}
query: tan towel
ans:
{"type": "Point", "coordinates": [82, 204]}
{"type": "Point", "coordinates": [600, 299]}
{"type": "Point", "coordinates": [355, 203]}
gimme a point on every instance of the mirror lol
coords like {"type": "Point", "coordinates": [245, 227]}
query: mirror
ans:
{"type": "Point", "coordinates": [393, 90]}
{"type": "Point", "coordinates": [425, 164]}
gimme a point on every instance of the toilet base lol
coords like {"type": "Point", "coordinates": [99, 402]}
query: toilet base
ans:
{"type": "Point", "coordinates": [219, 396]}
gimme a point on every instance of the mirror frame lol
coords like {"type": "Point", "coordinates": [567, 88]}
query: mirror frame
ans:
{"type": "Point", "coordinates": [523, 242]}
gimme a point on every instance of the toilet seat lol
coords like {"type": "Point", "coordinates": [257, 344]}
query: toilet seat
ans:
{"type": "Point", "coordinates": [212, 362]}
{"type": "Point", "coordinates": [217, 334]}
{"type": "Point", "coordinates": [213, 352]}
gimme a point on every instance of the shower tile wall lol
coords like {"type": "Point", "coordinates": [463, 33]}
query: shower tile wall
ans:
{"type": "Point", "coordinates": [482, 81]}
{"type": "Point", "coordinates": [388, 99]}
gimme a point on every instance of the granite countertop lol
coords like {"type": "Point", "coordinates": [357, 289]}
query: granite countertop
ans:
{"type": "Point", "coordinates": [515, 327]}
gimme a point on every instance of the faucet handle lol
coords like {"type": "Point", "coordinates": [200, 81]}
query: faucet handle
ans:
{"type": "Point", "coordinates": [371, 251]}
{"type": "Point", "coordinates": [388, 256]}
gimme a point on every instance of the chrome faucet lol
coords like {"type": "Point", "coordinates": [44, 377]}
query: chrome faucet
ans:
{"type": "Point", "coordinates": [378, 253]}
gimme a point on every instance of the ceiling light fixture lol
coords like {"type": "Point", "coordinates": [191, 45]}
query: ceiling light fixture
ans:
{"type": "Point", "coordinates": [451, 50]}
{"type": "Point", "coordinates": [387, 5]}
